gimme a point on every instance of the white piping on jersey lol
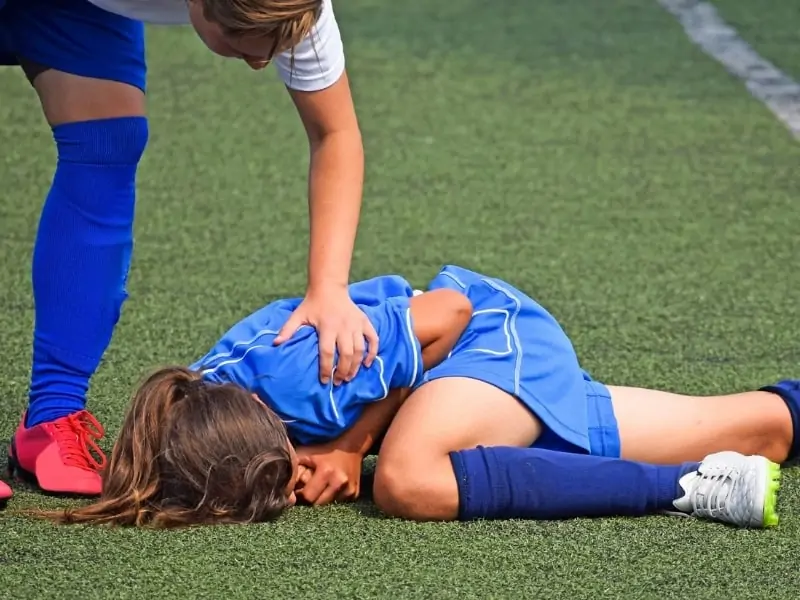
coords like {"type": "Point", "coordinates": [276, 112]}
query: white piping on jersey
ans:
{"type": "Point", "coordinates": [330, 394]}
{"type": "Point", "coordinates": [411, 338]}
{"type": "Point", "coordinates": [384, 386]}
{"type": "Point", "coordinates": [509, 326]}
{"type": "Point", "coordinates": [506, 331]}
{"type": "Point", "coordinates": [514, 332]}
{"type": "Point", "coordinates": [236, 345]}
{"type": "Point", "coordinates": [454, 278]}
{"type": "Point", "coordinates": [234, 360]}
{"type": "Point", "coordinates": [259, 334]}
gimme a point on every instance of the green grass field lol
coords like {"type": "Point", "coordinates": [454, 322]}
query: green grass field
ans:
{"type": "Point", "coordinates": [585, 151]}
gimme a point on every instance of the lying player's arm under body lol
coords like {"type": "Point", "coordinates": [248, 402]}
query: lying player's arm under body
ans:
{"type": "Point", "coordinates": [439, 318]}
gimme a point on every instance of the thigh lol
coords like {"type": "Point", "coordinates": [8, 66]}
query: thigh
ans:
{"type": "Point", "coordinates": [664, 427]}
{"type": "Point", "coordinates": [85, 63]}
{"type": "Point", "coordinates": [68, 98]}
{"type": "Point", "coordinates": [457, 413]}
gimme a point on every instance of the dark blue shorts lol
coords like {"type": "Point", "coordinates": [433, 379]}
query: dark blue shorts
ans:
{"type": "Point", "coordinates": [73, 36]}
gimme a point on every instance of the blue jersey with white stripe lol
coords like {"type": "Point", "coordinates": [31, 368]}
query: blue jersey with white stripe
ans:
{"type": "Point", "coordinates": [286, 377]}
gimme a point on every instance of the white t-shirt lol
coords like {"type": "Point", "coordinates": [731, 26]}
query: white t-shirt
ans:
{"type": "Point", "coordinates": [318, 59]}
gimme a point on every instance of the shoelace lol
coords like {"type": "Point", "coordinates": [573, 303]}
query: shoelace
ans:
{"type": "Point", "coordinates": [77, 435]}
{"type": "Point", "coordinates": [714, 496]}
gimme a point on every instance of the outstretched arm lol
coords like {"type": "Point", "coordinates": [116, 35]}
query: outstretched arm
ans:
{"type": "Point", "coordinates": [335, 182]}
{"type": "Point", "coordinates": [334, 190]}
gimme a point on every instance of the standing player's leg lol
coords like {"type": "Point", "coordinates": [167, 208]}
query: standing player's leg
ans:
{"type": "Point", "coordinates": [87, 66]}
{"type": "Point", "coordinates": [433, 466]}
{"type": "Point", "coordinates": [664, 428]}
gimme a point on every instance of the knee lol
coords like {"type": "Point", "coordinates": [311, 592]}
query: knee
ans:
{"type": "Point", "coordinates": [118, 141]}
{"type": "Point", "coordinates": [419, 490]}
{"type": "Point", "coordinates": [772, 433]}
{"type": "Point", "coordinates": [774, 444]}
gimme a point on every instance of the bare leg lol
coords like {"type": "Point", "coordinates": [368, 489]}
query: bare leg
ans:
{"type": "Point", "coordinates": [417, 479]}
{"type": "Point", "coordinates": [666, 428]}
{"type": "Point", "coordinates": [414, 476]}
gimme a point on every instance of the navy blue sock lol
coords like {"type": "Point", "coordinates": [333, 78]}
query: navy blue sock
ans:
{"type": "Point", "coordinates": [81, 259]}
{"type": "Point", "coordinates": [531, 483]}
{"type": "Point", "coordinates": [789, 391]}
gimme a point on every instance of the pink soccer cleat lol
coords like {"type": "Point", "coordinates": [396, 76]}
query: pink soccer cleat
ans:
{"type": "Point", "coordinates": [61, 456]}
{"type": "Point", "coordinates": [5, 492]}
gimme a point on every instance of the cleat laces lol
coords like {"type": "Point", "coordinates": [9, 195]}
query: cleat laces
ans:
{"type": "Point", "coordinates": [76, 436]}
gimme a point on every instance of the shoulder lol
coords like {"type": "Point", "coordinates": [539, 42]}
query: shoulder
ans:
{"type": "Point", "coordinates": [163, 12]}
{"type": "Point", "coordinates": [318, 61]}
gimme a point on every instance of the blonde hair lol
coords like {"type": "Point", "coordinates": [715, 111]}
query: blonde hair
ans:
{"type": "Point", "coordinates": [287, 21]}
{"type": "Point", "coordinates": [191, 452]}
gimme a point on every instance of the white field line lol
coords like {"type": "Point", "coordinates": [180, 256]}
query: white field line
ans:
{"type": "Point", "coordinates": [765, 81]}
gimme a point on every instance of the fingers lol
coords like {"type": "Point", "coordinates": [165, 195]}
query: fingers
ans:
{"type": "Point", "coordinates": [372, 342]}
{"type": "Point", "coordinates": [305, 461]}
{"type": "Point", "coordinates": [349, 492]}
{"type": "Point", "coordinates": [304, 475]}
{"type": "Point", "coordinates": [351, 351]}
{"type": "Point", "coordinates": [323, 486]}
{"type": "Point", "coordinates": [349, 335]}
{"type": "Point", "coordinates": [329, 494]}
{"type": "Point", "coordinates": [327, 346]}
{"type": "Point", "coordinates": [288, 329]}
{"type": "Point", "coordinates": [359, 346]}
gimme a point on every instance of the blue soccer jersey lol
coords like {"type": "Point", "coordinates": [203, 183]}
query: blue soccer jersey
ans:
{"type": "Point", "coordinates": [286, 377]}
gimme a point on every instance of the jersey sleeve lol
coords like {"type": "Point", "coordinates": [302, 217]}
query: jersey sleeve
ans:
{"type": "Point", "coordinates": [317, 62]}
{"type": "Point", "coordinates": [399, 351]}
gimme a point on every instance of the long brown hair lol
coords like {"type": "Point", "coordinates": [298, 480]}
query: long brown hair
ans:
{"type": "Point", "coordinates": [192, 452]}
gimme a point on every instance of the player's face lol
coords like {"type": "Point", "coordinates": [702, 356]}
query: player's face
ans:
{"type": "Point", "coordinates": [256, 51]}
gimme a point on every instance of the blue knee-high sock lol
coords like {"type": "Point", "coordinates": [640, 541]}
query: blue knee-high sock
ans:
{"type": "Point", "coordinates": [531, 483]}
{"type": "Point", "coordinates": [789, 392]}
{"type": "Point", "coordinates": [81, 259]}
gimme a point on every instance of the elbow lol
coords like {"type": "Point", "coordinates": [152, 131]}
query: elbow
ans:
{"type": "Point", "coordinates": [319, 137]}
{"type": "Point", "coordinates": [461, 308]}
{"type": "Point", "coordinates": [464, 311]}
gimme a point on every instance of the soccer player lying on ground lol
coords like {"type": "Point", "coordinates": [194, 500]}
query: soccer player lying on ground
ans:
{"type": "Point", "coordinates": [501, 422]}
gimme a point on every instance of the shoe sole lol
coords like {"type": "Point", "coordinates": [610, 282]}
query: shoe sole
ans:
{"type": "Point", "coordinates": [772, 484]}
{"type": "Point", "coordinates": [15, 471]}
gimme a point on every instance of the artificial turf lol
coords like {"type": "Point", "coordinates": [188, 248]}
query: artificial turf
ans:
{"type": "Point", "coordinates": [585, 151]}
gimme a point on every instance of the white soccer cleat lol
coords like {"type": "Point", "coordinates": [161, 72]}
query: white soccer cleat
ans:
{"type": "Point", "coordinates": [732, 488]}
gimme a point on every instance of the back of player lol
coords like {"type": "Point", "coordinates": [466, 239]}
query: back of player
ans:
{"type": "Point", "coordinates": [286, 377]}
